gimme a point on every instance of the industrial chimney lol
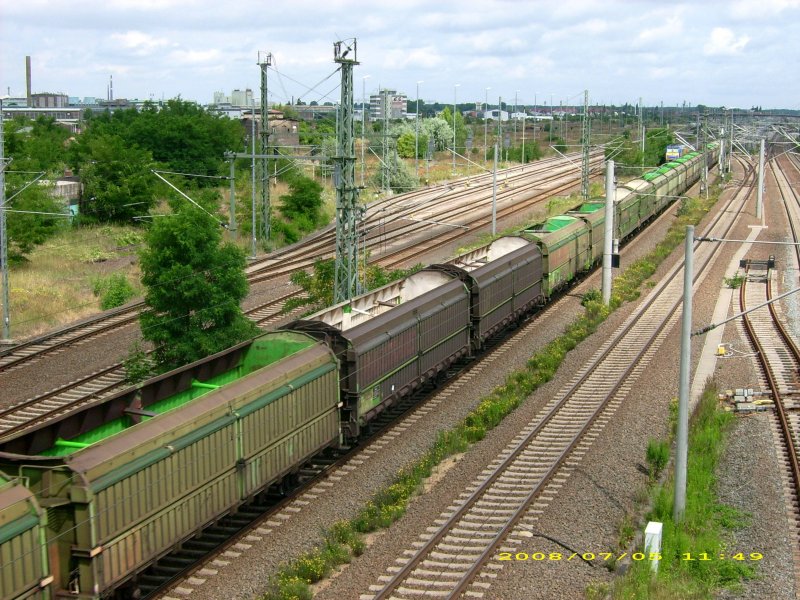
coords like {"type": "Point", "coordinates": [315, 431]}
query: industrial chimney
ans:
{"type": "Point", "coordinates": [28, 79]}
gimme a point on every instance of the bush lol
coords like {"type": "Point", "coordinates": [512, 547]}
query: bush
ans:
{"type": "Point", "coordinates": [657, 457]}
{"type": "Point", "coordinates": [137, 366]}
{"type": "Point", "coordinates": [734, 282]}
{"type": "Point", "coordinates": [113, 291]}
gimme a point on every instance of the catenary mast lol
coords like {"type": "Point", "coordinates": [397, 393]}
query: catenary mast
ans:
{"type": "Point", "coordinates": [348, 212]}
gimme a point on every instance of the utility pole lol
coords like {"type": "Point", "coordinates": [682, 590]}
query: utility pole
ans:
{"type": "Point", "coordinates": [485, 124]}
{"type": "Point", "coordinates": [585, 135]}
{"type": "Point", "coordinates": [494, 193]}
{"type": "Point", "coordinates": [641, 127]}
{"type": "Point", "coordinates": [232, 198]}
{"type": "Point", "coordinates": [253, 230]}
{"type": "Point", "coordinates": [455, 103]}
{"type": "Point", "coordinates": [385, 165]}
{"type": "Point", "coordinates": [704, 174]}
{"type": "Point", "coordinates": [347, 209]}
{"type": "Point", "coordinates": [264, 62]}
{"type": "Point", "coordinates": [682, 443]}
{"type": "Point", "coordinates": [416, 136]}
{"type": "Point", "coordinates": [499, 123]}
{"type": "Point", "coordinates": [760, 195]}
{"type": "Point", "coordinates": [525, 124]}
{"type": "Point", "coordinates": [608, 241]}
{"type": "Point", "coordinates": [4, 233]}
{"type": "Point", "coordinates": [363, 123]}
{"type": "Point", "coordinates": [730, 142]}
{"type": "Point", "coordinates": [515, 116]}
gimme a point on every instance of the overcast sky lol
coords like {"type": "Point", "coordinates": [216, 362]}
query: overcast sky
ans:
{"type": "Point", "coordinates": [737, 53]}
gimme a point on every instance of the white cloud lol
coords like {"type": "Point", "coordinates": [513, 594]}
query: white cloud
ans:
{"type": "Point", "coordinates": [762, 9]}
{"type": "Point", "coordinates": [193, 57]}
{"type": "Point", "coordinates": [724, 42]}
{"type": "Point", "coordinates": [662, 72]}
{"type": "Point", "coordinates": [141, 44]}
{"type": "Point", "coordinates": [418, 58]}
{"type": "Point", "coordinates": [669, 30]}
{"type": "Point", "coordinates": [578, 32]}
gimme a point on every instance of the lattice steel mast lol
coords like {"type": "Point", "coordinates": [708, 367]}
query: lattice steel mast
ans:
{"type": "Point", "coordinates": [348, 212]}
{"type": "Point", "coordinates": [264, 62]}
{"type": "Point", "coordinates": [585, 136]}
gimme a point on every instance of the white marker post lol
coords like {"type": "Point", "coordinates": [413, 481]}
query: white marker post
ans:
{"type": "Point", "coordinates": [652, 543]}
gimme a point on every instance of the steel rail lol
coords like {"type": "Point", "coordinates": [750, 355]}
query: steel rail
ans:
{"type": "Point", "coordinates": [768, 371]}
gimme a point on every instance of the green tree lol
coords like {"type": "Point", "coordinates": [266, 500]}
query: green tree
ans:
{"type": "Point", "coordinates": [461, 129]}
{"type": "Point", "coordinates": [38, 145]}
{"type": "Point", "coordinates": [438, 130]}
{"type": "Point", "coordinates": [405, 145]}
{"type": "Point", "coordinates": [117, 183]}
{"type": "Point", "coordinates": [532, 152]}
{"type": "Point", "coordinates": [303, 202]}
{"type": "Point", "coordinates": [401, 179]}
{"type": "Point", "coordinates": [194, 284]}
{"type": "Point", "coordinates": [26, 229]}
{"type": "Point", "coordinates": [314, 132]}
{"type": "Point", "coordinates": [179, 135]}
{"type": "Point", "coordinates": [317, 285]}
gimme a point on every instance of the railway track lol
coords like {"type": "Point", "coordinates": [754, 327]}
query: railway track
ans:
{"type": "Point", "coordinates": [779, 367]}
{"type": "Point", "coordinates": [60, 339]}
{"type": "Point", "coordinates": [495, 513]}
{"type": "Point", "coordinates": [391, 226]}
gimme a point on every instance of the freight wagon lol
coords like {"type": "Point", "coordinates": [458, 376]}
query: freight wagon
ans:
{"type": "Point", "coordinates": [24, 564]}
{"type": "Point", "coordinates": [128, 478]}
{"type": "Point", "coordinates": [573, 243]}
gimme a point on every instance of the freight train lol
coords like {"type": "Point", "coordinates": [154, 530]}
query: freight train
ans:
{"type": "Point", "coordinates": [89, 500]}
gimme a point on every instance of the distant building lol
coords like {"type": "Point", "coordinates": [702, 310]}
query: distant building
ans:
{"type": "Point", "coordinates": [283, 132]}
{"type": "Point", "coordinates": [14, 101]}
{"type": "Point", "coordinates": [242, 97]}
{"type": "Point", "coordinates": [238, 98]}
{"type": "Point", "coordinates": [48, 100]}
{"type": "Point", "coordinates": [494, 114]}
{"type": "Point", "coordinates": [69, 117]}
{"type": "Point", "coordinates": [310, 112]}
{"type": "Point", "coordinates": [388, 100]}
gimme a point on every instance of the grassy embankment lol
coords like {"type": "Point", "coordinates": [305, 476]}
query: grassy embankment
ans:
{"type": "Point", "coordinates": [695, 559]}
{"type": "Point", "coordinates": [57, 285]}
{"type": "Point", "coordinates": [345, 539]}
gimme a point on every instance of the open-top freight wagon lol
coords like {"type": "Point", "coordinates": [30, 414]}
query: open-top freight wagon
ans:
{"type": "Point", "coordinates": [126, 479]}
